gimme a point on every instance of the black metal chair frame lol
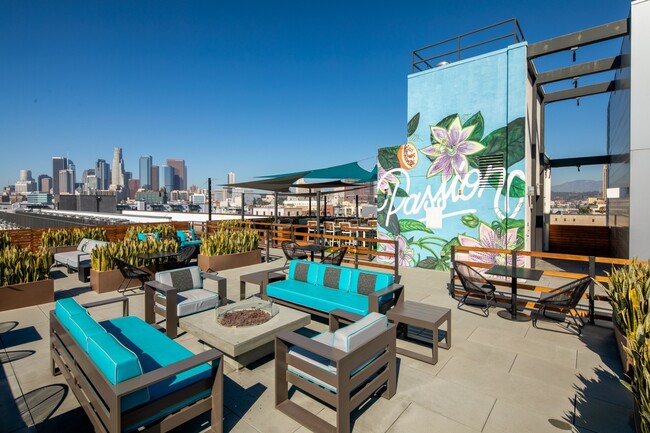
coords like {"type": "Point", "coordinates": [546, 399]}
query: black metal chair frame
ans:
{"type": "Point", "coordinates": [183, 259]}
{"type": "Point", "coordinates": [130, 272]}
{"type": "Point", "coordinates": [564, 298]}
{"type": "Point", "coordinates": [290, 253]}
{"type": "Point", "coordinates": [335, 257]}
{"type": "Point", "coordinates": [468, 281]}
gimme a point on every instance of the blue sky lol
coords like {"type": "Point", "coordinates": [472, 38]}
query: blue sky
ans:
{"type": "Point", "coordinates": [250, 87]}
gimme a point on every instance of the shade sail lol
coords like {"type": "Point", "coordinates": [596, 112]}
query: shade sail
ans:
{"type": "Point", "coordinates": [276, 184]}
{"type": "Point", "coordinates": [351, 170]}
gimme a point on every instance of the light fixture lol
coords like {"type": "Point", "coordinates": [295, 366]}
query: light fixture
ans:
{"type": "Point", "coordinates": [574, 50]}
{"type": "Point", "coordinates": [575, 82]}
{"type": "Point", "coordinates": [578, 167]}
{"type": "Point", "coordinates": [578, 101]}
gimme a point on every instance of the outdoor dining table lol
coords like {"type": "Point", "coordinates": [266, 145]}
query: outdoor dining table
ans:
{"type": "Point", "coordinates": [158, 258]}
{"type": "Point", "coordinates": [514, 273]}
{"type": "Point", "coordinates": [312, 248]}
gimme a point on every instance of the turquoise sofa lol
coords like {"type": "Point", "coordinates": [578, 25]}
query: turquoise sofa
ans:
{"type": "Point", "coordinates": [187, 237]}
{"type": "Point", "coordinates": [320, 288]}
{"type": "Point", "coordinates": [132, 375]}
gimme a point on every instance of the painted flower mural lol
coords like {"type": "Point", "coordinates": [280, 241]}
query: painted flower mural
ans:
{"type": "Point", "coordinates": [450, 148]}
{"type": "Point", "coordinates": [482, 213]}
{"type": "Point", "coordinates": [404, 253]}
{"type": "Point", "coordinates": [495, 239]}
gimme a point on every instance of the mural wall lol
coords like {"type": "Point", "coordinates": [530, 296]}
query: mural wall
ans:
{"type": "Point", "coordinates": [460, 178]}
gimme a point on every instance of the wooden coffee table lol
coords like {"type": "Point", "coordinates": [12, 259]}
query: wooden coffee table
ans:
{"type": "Point", "coordinates": [424, 321]}
{"type": "Point", "coordinates": [258, 279]}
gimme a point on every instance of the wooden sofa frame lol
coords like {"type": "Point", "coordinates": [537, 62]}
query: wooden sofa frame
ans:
{"type": "Point", "coordinates": [167, 306]}
{"type": "Point", "coordinates": [101, 400]}
{"type": "Point", "coordinates": [372, 377]}
{"type": "Point", "coordinates": [373, 298]}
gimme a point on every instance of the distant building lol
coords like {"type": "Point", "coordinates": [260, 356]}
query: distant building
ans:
{"type": "Point", "coordinates": [180, 173]}
{"type": "Point", "coordinates": [26, 183]}
{"type": "Point", "coordinates": [150, 197]}
{"type": "Point", "coordinates": [145, 171]}
{"type": "Point", "coordinates": [66, 182]}
{"type": "Point", "coordinates": [44, 183]}
{"type": "Point", "coordinates": [168, 178]}
{"type": "Point", "coordinates": [117, 177]}
{"type": "Point", "coordinates": [155, 178]}
{"type": "Point", "coordinates": [39, 198]}
{"type": "Point", "coordinates": [58, 163]}
{"type": "Point", "coordinates": [134, 186]}
{"type": "Point", "coordinates": [103, 173]}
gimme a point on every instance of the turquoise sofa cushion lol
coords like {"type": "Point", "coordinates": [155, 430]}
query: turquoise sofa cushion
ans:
{"type": "Point", "coordinates": [82, 327]}
{"type": "Point", "coordinates": [145, 236]}
{"type": "Point", "coordinates": [318, 297]}
{"type": "Point", "coordinates": [154, 350]}
{"type": "Point", "coordinates": [118, 364]}
{"type": "Point", "coordinates": [65, 308]}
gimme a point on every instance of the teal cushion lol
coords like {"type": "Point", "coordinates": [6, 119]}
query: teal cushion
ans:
{"type": "Point", "coordinates": [154, 350]}
{"type": "Point", "coordinates": [318, 297]}
{"type": "Point", "coordinates": [82, 327]}
{"type": "Point", "coordinates": [67, 307]}
{"type": "Point", "coordinates": [118, 364]}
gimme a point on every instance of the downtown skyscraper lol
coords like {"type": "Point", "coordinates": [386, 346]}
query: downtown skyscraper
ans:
{"type": "Point", "coordinates": [117, 177]}
{"type": "Point", "coordinates": [146, 161]}
{"type": "Point", "coordinates": [58, 163]}
{"type": "Point", "coordinates": [180, 173]}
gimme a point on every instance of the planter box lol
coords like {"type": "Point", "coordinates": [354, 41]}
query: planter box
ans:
{"type": "Point", "coordinates": [109, 281]}
{"type": "Point", "coordinates": [26, 294]}
{"type": "Point", "coordinates": [229, 261]}
{"type": "Point", "coordinates": [621, 342]}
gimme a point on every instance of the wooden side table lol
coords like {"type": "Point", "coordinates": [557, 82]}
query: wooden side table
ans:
{"type": "Point", "coordinates": [258, 279]}
{"type": "Point", "coordinates": [424, 316]}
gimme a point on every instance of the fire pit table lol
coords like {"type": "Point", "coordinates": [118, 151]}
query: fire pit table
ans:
{"type": "Point", "coordinates": [244, 344]}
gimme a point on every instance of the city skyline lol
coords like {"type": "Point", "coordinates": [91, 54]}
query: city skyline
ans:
{"type": "Point", "coordinates": [240, 88]}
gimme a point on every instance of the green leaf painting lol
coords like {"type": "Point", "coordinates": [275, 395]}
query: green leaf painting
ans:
{"type": "Point", "coordinates": [392, 226]}
{"type": "Point", "coordinates": [446, 250]}
{"type": "Point", "coordinates": [388, 157]}
{"type": "Point", "coordinates": [478, 123]}
{"type": "Point", "coordinates": [413, 124]}
{"type": "Point", "coordinates": [470, 221]}
{"type": "Point", "coordinates": [409, 225]}
{"type": "Point", "coordinates": [517, 188]}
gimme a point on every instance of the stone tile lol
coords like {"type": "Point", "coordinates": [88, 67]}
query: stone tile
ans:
{"type": "Point", "coordinates": [417, 419]}
{"type": "Point", "coordinates": [508, 417]}
{"type": "Point", "coordinates": [446, 398]}
{"type": "Point", "coordinates": [600, 416]}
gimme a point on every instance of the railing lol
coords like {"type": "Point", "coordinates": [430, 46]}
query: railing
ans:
{"type": "Point", "coordinates": [362, 251]}
{"type": "Point", "coordinates": [31, 238]}
{"type": "Point", "coordinates": [592, 266]}
{"type": "Point", "coordinates": [421, 60]}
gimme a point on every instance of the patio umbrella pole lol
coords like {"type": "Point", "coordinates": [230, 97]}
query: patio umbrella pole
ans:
{"type": "Point", "coordinates": [275, 206]}
{"type": "Point", "coordinates": [242, 206]}
{"type": "Point", "coordinates": [320, 240]}
{"type": "Point", "coordinates": [356, 207]}
{"type": "Point", "coordinates": [309, 201]}
{"type": "Point", "coordinates": [209, 199]}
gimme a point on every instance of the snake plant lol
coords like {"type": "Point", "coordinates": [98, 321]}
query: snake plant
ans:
{"type": "Point", "coordinates": [165, 230]}
{"type": "Point", "coordinates": [62, 237]}
{"type": "Point", "coordinates": [18, 265]}
{"type": "Point", "coordinates": [227, 241]}
{"type": "Point", "coordinates": [101, 257]}
{"type": "Point", "coordinates": [5, 240]}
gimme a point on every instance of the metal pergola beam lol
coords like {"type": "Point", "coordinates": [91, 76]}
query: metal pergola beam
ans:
{"type": "Point", "coordinates": [584, 160]}
{"type": "Point", "coordinates": [580, 70]}
{"type": "Point", "coordinates": [579, 92]}
{"type": "Point", "coordinates": [578, 39]}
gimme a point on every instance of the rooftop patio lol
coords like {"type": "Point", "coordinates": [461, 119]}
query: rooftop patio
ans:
{"type": "Point", "coordinates": [498, 376]}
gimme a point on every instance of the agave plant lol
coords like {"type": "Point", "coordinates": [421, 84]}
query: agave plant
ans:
{"type": "Point", "coordinates": [639, 350]}
{"type": "Point", "coordinates": [62, 237]}
{"type": "Point", "coordinates": [18, 265]}
{"type": "Point", "coordinates": [227, 241]}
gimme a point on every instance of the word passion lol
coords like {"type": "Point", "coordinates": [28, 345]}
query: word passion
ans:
{"type": "Point", "coordinates": [456, 189]}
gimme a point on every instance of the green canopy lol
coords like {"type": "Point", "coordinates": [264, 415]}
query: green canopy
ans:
{"type": "Point", "coordinates": [351, 170]}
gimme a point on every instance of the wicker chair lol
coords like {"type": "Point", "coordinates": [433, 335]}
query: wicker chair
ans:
{"type": "Point", "coordinates": [290, 252]}
{"type": "Point", "coordinates": [335, 257]}
{"type": "Point", "coordinates": [474, 283]}
{"type": "Point", "coordinates": [130, 272]}
{"type": "Point", "coordinates": [565, 298]}
{"type": "Point", "coordinates": [343, 368]}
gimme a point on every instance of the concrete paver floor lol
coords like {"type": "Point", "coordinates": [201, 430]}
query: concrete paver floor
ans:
{"type": "Point", "coordinates": [498, 376]}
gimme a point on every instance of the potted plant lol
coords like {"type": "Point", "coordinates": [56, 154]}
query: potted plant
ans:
{"type": "Point", "coordinates": [229, 248]}
{"type": "Point", "coordinates": [62, 240]}
{"type": "Point", "coordinates": [25, 277]}
{"type": "Point", "coordinates": [165, 231]}
{"type": "Point", "coordinates": [625, 282]}
{"type": "Point", "coordinates": [104, 274]}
